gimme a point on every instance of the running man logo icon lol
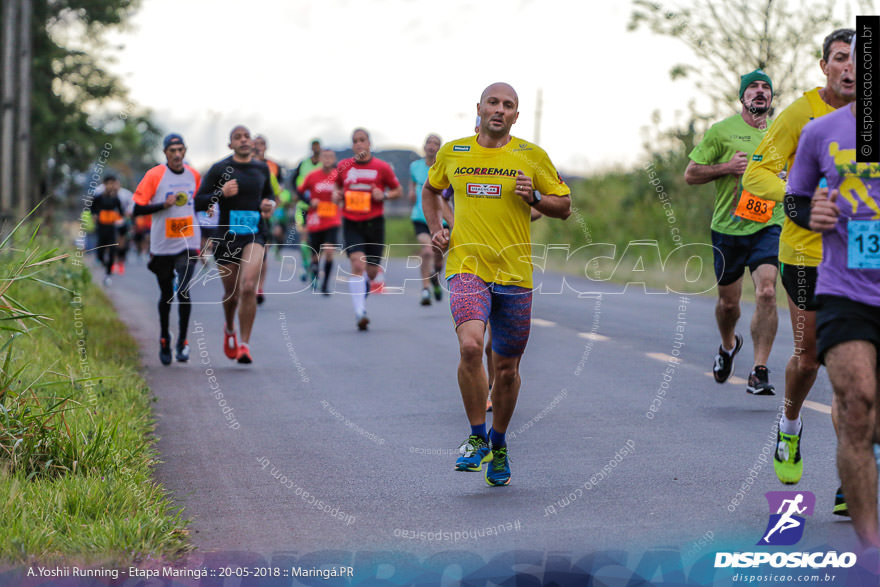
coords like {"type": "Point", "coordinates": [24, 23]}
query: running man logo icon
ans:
{"type": "Point", "coordinates": [786, 526]}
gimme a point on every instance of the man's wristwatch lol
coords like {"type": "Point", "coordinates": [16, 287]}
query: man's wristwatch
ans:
{"type": "Point", "coordinates": [536, 197]}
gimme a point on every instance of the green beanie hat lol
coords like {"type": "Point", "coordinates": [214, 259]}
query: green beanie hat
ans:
{"type": "Point", "coordinates": [753, 76]}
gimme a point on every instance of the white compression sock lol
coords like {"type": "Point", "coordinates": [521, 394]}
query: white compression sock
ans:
{"type": "Point", "coordinates": [789, 426]}
{"type": "Point", "coordinates": [358, 293]}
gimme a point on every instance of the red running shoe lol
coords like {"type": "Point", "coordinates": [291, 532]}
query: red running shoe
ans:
{"type": "Point", "coordinates": [230, 344]}
{"type": "Point", "coordinates": [244, 354]}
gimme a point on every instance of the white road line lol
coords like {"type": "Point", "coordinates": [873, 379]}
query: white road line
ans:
{"type": "Point", "coordinates": [542, 322]}
{"type": "Point", "coordinates": [592, 336]}
{"type": "Point", "coordinates": [731, 379]}
{"type": "Point", "coordinates": [817, 406]}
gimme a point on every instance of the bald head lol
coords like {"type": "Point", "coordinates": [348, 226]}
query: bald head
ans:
{"type": "Point", "coordinates": [240, 142]}
{"type": "Point", "coordinates": [239, 128]}
{"type": "Point", "coordinates": [498, 89]}
{"type": "Point", "coordinates": [497, 110]}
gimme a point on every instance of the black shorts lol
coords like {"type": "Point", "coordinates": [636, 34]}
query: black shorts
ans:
{"type": "Point", "coordinates": [317, 238]}
{"type": "Point", "coordinates": [840, 320]}
{"type": "Point", "coordinates": [366, 236]}
{"type": "Point", "coordinates": [733, 253]}
{"type": "Point", "coordinates": [183, 262]}
{"type": "Point", "coordinates": [107, 234]}
{"type": "Point", "coordinates": [209, 232]}
{"type": "Point", "coordinates": [230, 248]}
{"type": "Point", "coordinates": [799, 282]}
{"type": "Point", "coordinates": [421, 227]}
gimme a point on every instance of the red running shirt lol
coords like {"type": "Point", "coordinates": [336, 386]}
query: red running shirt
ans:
{"type": "Point", "coordinates": [357, 181]}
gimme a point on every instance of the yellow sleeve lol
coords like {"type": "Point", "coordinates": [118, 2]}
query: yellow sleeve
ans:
{"type": "Point", "coordinates": [775, 153]}
{"type": "Point", "coordinates": [546, 179]}
{"type": "Point", "coordinates": [276, 188]}
{"type": "Point", "coordinates": [437, 173]}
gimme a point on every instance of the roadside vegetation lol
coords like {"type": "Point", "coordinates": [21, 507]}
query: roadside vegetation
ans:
{"type": "Point", "coordinates": [76, 451]}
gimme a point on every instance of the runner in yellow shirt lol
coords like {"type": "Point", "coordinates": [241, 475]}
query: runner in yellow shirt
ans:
{"type": "Point", "coordinates": [800, 250]}
{"type": "Point", "coordinates": [497, 179]}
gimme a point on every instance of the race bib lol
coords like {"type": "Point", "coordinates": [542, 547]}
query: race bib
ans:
{"type": "Point", "coordinates": [863, 244]}
{"type": "Point", "coordinates": [751, 207]}
{"type": "Point", "coordinates": [357, 201]}
{"type": "Point", "coordinates": [327, 209]}
{"type": "Point", "coordinates": [244, 221]}
{"type": "Point", "coordinates": [108, 217]}
{"type": "Point", "coordinates": [179, 227]}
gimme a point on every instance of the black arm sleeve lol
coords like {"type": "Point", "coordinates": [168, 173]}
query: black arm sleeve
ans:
{"type": "Point", "coordinates": [143, 210]}
{"type": "Point", "coordinates": [210, 184]}
{"type": "Point", "coordinates": [798, 209]}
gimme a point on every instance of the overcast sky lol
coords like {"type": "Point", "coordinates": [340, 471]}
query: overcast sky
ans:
{"type": "Point", "coordinates": [401, 68]}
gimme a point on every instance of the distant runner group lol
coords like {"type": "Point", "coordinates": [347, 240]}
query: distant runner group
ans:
{"type": "Point", "coordinates": [790, 199]}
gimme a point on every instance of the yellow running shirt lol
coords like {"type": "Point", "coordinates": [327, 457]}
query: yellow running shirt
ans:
{"type": "Point", "coordinates": [491, 237]}
{"type": "Point", "coordinates": [797, 246]}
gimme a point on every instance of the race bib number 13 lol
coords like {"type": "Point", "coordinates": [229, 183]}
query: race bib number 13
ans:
{"type": "Point", "coordinates": [863, 248]}
{"type": "Point", "coordinates": [751, 207]}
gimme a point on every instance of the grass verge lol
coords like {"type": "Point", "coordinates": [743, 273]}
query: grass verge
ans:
{"type": "Point", "coordinates": [76, 451]}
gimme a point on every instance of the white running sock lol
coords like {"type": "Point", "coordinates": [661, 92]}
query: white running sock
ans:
{"type": "Point", "coordinates": [728, 351]}
{"type": "Point", "coordinates": [790, 426]}
{"type": "Point", "coordinates": [358, 294]}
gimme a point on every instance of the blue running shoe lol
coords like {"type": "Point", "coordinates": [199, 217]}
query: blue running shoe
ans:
{"type": "Point", "coordinates": [474, 452]}
{"type": "Point", "coordinates": [498, 471]}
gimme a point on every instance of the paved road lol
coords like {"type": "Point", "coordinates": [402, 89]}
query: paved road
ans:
{"type": "Point", "coordinates": [368, 423]}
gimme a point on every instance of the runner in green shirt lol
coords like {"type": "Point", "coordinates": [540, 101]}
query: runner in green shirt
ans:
{"type": "Point", "coordinates": [745, 229]}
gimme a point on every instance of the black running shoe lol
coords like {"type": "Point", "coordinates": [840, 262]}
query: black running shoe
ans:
{"type": "Point", "coordinates": [182, 354]}
{"type": "Point", "coordinates": [759, 383]}
{"type": "Point", "coordinates": [165, 351]}
{"type": "Point", "coordinates": [724, 362]}
{"type": "Point", "coordinates": [840, 508]}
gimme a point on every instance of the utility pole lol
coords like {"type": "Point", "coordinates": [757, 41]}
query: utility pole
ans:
{"type": "Point", "coordinates": [23, 114]}
{"type": "Point", "coordinates": [7, 122]}
{"type": "Point", "coordinates": [538, 109]}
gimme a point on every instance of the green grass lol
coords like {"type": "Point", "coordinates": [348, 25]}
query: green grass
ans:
{"type": "Point", "coordinates": [399, 231]}
{"type": "Point", "coordinates": [623, 207]}
{"type": "Point", "coordinates": [76, 445]}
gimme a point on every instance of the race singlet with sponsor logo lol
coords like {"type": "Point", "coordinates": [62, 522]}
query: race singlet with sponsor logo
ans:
{"type": "Point", "coordinates": [244, 221]}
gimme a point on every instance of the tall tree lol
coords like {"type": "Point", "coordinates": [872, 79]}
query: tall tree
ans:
{"type": "Point", "coordinates": [731, 37]}
{"type": "Point", "coordinates": [74, 96]}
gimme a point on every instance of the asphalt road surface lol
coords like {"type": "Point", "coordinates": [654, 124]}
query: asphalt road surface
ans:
{"type": "Point", "coordinates": [344, 441]}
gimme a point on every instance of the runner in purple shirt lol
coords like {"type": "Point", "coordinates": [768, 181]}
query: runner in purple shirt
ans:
{"type": "Point", "coordinates": [847, 213]}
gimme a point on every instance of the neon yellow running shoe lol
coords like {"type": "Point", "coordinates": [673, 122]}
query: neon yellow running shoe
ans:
{"type": "Point", "coordinates": [787, 460]}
